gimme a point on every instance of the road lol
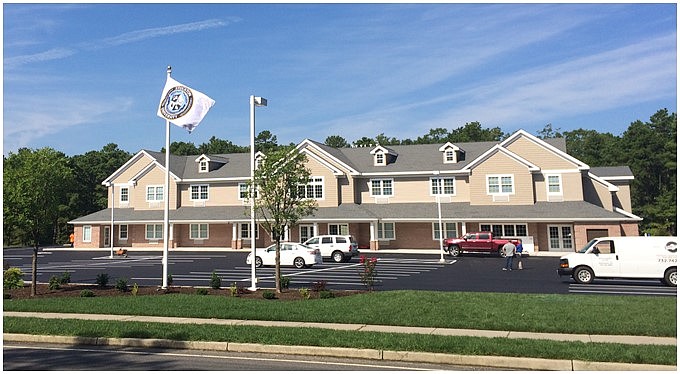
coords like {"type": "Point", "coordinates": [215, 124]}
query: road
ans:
{"type": "Point", "coordinates": [45, 356]}
{"type": "Point", "coordinates": [468, 273]}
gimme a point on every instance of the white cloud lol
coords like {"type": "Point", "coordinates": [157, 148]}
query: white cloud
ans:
{"type": "Point", "coordinates": [52, 54]}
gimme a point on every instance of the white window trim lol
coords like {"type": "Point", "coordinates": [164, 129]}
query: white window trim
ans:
{"type": "Point", "coordinates": [500, 184]}
{"type": "Point", "coordinates": [191, 192]}
{"type": "Point", "coordinates": [433, 179]}
{"type": "Point", "coordinates": [379, 159]}
{"type": "Point", "coordinates": [155, 192]}
{"type": "Point", "coordinates": [503, 224]}
{"type": "Point", "coordinates": [89, 229]}
{"type": "Point", "coordinates": [559, 182]}
{"type": "Point", "coordinates": [435, 229]}
{"type": "Point", "coordinates": [310, 229]}
{"type": "Point", "coordinates": [203, 166]}
{"type": "Point", "coordinates": [561, 238]}
{"type": "Point", "coordinates": [382, 187]}
{"type": "Point", "coordinates": [340, 225]}
{"type": "Point", "coordinates": [120, 195]}
{"type": "Point", "coordinates": [245, 185]}
{"type": "Point", "coordinates": [313, 182]}
{"type": "Point", "coordinates": [146, 231]}
{"type": "Point", "coordinates": [381, 229]}
{"type": "Point", "coordinates": [120, 232]}
{"type": "Point", "coordinates": [452, 152]}
{"type": "Point", "coordinates": [207, 231]}
{"type": "Point", "coordinates": [257, 231]}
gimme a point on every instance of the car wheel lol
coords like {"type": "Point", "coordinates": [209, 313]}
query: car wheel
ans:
{"type": "Point", "coordinates": [338, 256]}
{"type": "Point", "coordinates": [258, 262]}
{"type": "Point", "coordinates": [454, 251]}
{"type": "Point", "coordinates": [583, 274]}
{"type": "Point", "coordinates": [299, 262]}
{"type": "Point", "coordinates": [501, 253]}
{"type": "Point", "coordinates": [671, 277]}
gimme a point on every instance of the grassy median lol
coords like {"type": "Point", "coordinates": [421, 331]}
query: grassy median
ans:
{"type": "Point", "coordinates": [578, 314]}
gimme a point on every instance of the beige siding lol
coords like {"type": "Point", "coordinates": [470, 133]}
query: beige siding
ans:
{"type": "Point", "coordinates": [596, 193]}
{"type": "Point", "coordinates": [538, 155]}
{"type": "Point", "coordinates": [330, 188]}
{"type": "Point", "coordinates": [572, 189]}
{"type": "Point", "coordinates": [219, 194]}
{"type": "Point", "coordinates": [501, 164]}
{"type": "Point", "coordinates": [154, 177]}
{"type": "Point", "coordinates": [623, 197]}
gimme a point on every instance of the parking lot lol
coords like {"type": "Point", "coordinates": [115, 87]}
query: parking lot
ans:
{"type": "Point", "coordinates": [395, 271]}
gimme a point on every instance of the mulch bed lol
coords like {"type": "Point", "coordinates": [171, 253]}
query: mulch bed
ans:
{"type": "Point", "coordinates": [73, 290]}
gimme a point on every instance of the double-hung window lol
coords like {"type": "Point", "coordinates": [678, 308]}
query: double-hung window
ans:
{"type": "Point", "coordinates": [443, 186]}
{"type": "Point", "coordinates": [338, 229]}
{"type": "Point", "coordinates": [87, 234]}
{"type": "Point", "coordinates": [199, 192]}
{"type": "Point", "coordinates": [382, 187]}
{"type": "Point", "coordinates": [123, 232]}
{"type": "Point", "coordinates": [245, 231]}
{"type": "Point", "coordinates": [500, 184]}
{"type": "Point", "coordinates": [312, 190]}
{"type": "Point", "coordinates": [198, 231]}
{"type": "Point", "coordinates": [154, 231]}
{"type": "Point", "coordinates": [386, 231]}
{"type": "Point", "coordinates": [554, 184]}
{"type": "Point", "coordinates": [243, 191]}
{"type": "Point", "coordinates": [154, 193]}
{"type": "Point", "coordinates": [124, 195]}
{"type": "Point", "coordinates": [450, 230]}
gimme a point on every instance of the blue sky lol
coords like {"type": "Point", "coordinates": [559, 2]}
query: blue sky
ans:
{"type": "Point", "coordinates": [77, 77]}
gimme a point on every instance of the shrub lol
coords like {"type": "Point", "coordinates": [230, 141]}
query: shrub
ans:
{"type": "Point", "coordinates": [135, 289]}
{"type": "Point", "coordinates": [368, 272]}
{"type": "Point", "coordinates": [319, 286]}
{"type": "Point", "coordinates": [215, 281]}
{"type": "Point", "coordinates": [269, 294]}
{"type": "Point", "coordinates": [65, 278]}
{"type": "Point", "coordinates": [102, 280]}
{"type": "Point", "coordinates": [169, 280]}
{"type": "Point", "coordinates": [201, 291]}
{"type": "Point", "coordinates": [304, 293]}
{"type": "Point", "coordinates": [233, 289]}
{"type": "Point", "coordinates": [121, 285]}
{"type": "Point", "coordinates": [7, 296]}
{"type": "Point", "coordinates": [54, 283]}
{"type": "Point", "coordinates": [326, 294]}
{"type": "Point", "coordinates": [285, 282]}
{"type": "Point", "coordinates": [12, 278]}
{"type": "Point", "coordinates": [86, 293]}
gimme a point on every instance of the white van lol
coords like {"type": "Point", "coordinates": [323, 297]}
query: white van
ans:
{"type": "Point", "coordinates": [641, 257]}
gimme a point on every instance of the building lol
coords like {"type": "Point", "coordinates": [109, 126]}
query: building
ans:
{"type": "Point", "coordinates": [387, 197]}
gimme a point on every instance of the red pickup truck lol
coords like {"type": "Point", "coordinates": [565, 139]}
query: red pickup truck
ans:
{"type": "Point", "coordinates": [476, 242]}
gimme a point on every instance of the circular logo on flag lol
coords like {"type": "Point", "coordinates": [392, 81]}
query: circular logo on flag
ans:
{"type": "Point", "coordinates": [177, 102]}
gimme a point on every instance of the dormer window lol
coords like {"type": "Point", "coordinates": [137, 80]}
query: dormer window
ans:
{"type": "Point", "coordinates": [203, 166]}
{"type": "Point", "coordinates": [451, 153]}
{"type": "Point", "coordinates": [379, 159]}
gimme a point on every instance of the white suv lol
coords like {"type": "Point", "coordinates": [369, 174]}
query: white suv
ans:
{"type": "Point", "coordinates": [340, 248]}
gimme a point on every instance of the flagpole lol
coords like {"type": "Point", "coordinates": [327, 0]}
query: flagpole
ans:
{"type": "Point", "coordinates": [166, 198]}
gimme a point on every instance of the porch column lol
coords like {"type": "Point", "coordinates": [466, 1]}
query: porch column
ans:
{"type": "Point", "coordinates": [374, 241]}
{"type": "Point", "coordinates": [234, 236]}
{"type": "Point", "coordinates": [463, 229]}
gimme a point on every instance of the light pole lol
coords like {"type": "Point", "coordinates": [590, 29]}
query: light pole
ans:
{"type": "Point", "coordinates": [439, 213]}
{"type": "Point", "coordinates": [254, 101]}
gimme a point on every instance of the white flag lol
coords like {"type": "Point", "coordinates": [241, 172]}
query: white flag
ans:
{"type": "Point", "coordinates": [183, 106]}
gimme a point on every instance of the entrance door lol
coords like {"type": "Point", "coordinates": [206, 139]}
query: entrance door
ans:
{"type": "Point", "coordinates": [560, 239]}
{"type": "Point", "coordinates": [306, 232]}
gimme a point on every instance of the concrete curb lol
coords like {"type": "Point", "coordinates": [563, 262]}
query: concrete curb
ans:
{"type": "Point", "coordinates": [371, 354]}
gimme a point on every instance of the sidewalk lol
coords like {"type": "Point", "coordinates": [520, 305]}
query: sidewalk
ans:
{"type": "Point", "coordinates": [501, 362]}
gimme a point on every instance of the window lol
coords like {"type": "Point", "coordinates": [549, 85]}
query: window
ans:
{"type": "Point", "coordinates": [449, 156]}
{"type": "Point", "coordinates": [560, 238]}
{"type": "Point", "coordinates": [203, 166]}
{"type": "Point", "coordinates": [245, 231]}
{"type": "Point", "coordinates": [505, 229]}
{"type": "Point", "coordinates": [443, 186]}
{"type": "Point", "coordinates": [154, 232]}
{"type": "Point", "coordinates": [380, 158]}
{"type": "Point", "coordinates": [198, 231]}
{"type": "Point", "coordinates": [554, 184]}
{"type": "Point", "coordinates": [87, 234]}
{"type": "Point", "coordinates": [450, 230]}
{"type": "Point", "coordinates": [312, 190]}
{"type": "Point", "coordinates": [154, 193]}
{"type": "Point", "coordinates": [306, 232]}
{"type": "Point", "coordinates": [243, 191]}
{"type": "Point", "coordinates": [500, 184]}
{"type": "Point", "coordinates": [123, 232]}
{"type": "Point", "coordinates": [338, 229]}
{"type": "Point", "coordinates": [124, 195]}
{"type": "Point", "coordinates": [199, 192]}
{"type": "Point", "coordinates": [381, 187]}
{"type": "Point", "coordinates": [386, 231]}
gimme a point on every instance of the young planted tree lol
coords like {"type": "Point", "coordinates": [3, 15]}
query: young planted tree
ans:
{"type": "Point", "coordinates": [35, 186]}
{"type": "Point", "coordinates": [280, 201]}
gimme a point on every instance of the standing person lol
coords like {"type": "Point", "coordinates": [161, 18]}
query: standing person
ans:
{"type": "Point", "coordinates": [509, 251]}
{"type": "Point", "coordinates": [71, 239]}
{"type": "Point", "coordinates": [518, 249]}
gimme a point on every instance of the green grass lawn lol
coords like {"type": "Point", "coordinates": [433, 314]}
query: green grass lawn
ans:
{"type": "Point", "coordinates": [583, 314]}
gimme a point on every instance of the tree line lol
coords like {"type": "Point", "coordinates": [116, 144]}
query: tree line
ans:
{"type": "Point", "coordinates": [43, 188]}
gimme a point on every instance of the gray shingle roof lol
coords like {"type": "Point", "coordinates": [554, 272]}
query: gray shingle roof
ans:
{"type": "Point", "coordinates": [612, 171]}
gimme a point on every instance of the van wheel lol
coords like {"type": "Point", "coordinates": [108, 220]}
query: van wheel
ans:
{"type": "Point", "coordinates": [258, 262]}
{"type": "Point", "coordinates": [299, 262]}
{"type": "Point", "coordinates": [583, 274]}
{"type": "Point", "coordinates": [338, 256]}
{"type": "Point", "coordinates": [670, 277]}
{"type": "Point", "coordinates": [454, 251]}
